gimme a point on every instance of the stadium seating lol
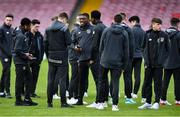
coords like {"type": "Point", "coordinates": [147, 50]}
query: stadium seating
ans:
{"type": "Point", "coordinates": [43, 10]}
{"type": "Point", "coordinates": [146, 9]}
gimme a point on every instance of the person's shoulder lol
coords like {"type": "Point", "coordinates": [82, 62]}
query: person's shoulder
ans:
{"type": "Point", "coordinates": [99, 26]}
{"type": "Point", "coordinates": [90, 27]}
{"type": "Point", "coordinates": [148, 31]}
{"type": "Point", "coordinates": [163, 33]}
{"type": "Point", "coordinates": [107, 29]}
{"type": "Point", "coordinates": [76, 30]}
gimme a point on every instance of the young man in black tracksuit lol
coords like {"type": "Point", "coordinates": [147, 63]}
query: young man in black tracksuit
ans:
{"type": "Point", "coordinates": [37, 50]}
{"type": "Point", "coordinates": [73, 60]}
{"type": "Point", "coordinates": [82, 40]}
{"type": "Point", "coordinates": [114, 53]}
{"type": "Point", "coordinates": [155, 51]}
{"type": "Point", "coordinates": [57, 39]}
{"type": "Point", "coordinates": [21, 58]}
{"type": "Point", "coordinates": [5, 55]}
{"type": "Point", "coordinates": [97, 33]}
{"type": "Point", "coordinates": [127, 72]}
{"type": "Point", "coordinates": [172, 65]}
{"type": "Point", "coordinates": [137, 56]}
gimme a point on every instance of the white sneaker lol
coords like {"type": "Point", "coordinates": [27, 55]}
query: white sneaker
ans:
{"type": "Point", "coordinates": [85, 103]}
{"type": "Point", "coordinates": [67, 94]}
{"type": "Point", "coordinates": [115, 108]}
{"type": "Point", "coordinates": [143, 100]}
{"type": "Point", "coordinates": [1, 93]}
{"type": "Point", "coordinates": [56, 97]}
{"type": "Point", "coordinates": [134, 95]}
{"type": "Point", "coordinates": [72, 101]}
{"type": "Point", "coordinates": [85, 94]}
{"type": "Point", "coordinates": [155, 106]}
{"type": "Point", "coordinates": [177, 103]}
{"type": "Point", "coordinates": [145, 106]}
{"type": "Point", "coordinates": [165, 102]}
{"type": "Point", "coordinates": [93, 105]}
{"type": "Point", "coordinates": [100, 106]}
{"type": "Point", "coordinates": [105, 104]}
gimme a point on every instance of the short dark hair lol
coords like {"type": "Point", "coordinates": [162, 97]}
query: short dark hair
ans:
{"type": "Point", "coordinates": [118, 18]}
{"type": "Point", "coordinates": [63, 15]}
{"type": "Point", "coordinates": [156, 20]}
{"type": "Point", "coordinates": [85, 14]}
{"type": "Point", "coordinates": [54, 18]}
{"type": "Point", "coordinates": [25, 21]}
{"type": "Point", "coordinates": [174, 21]}
{"type": "Point", "coordinates": [134, 18]}
{"type": "Point", "coordinates": [35, 21]}
{"type": "Point", "coordinates": [96, 14]}
{"type": "Point", "coordinates": [10, 15]}
{"type": "Point", "coordinates": [123, 15]}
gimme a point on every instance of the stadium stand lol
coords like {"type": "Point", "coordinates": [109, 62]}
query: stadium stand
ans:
{"type": "Point", "coordinates": [146, 9]}
{"type": "Point", "coordinates": [43, 10]}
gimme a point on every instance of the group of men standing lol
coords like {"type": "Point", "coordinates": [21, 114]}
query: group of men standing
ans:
{"type": "Point", "coordinates": [25, 45]}
{"type": "Point", "coordinates": [91, 45]}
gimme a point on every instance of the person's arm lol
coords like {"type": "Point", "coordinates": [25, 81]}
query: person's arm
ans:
{"type": "Point", "coordinates": [46, 43]}
{"type": "Point", "coordinates": [131, 43]}
{"type": "Point", "coordinates": [103, 37]}
{"type": "Point", "coordinates": [42, 47]}
{"type": "Point", "coordinates": [141, 39]}
{"type": "Point", "coordinates": [95, 44]}
{"type": "Point", "coordinates": [143, 45]}
{"type": "Point", "coordinates": [74, 45]}
{"type": "Point", "coordinates": [2, 41]}
{"type": "Point", "coordinates": [68, 37]}
{"type": "Point", "coordinates": [167, 44]}
{"type": "Point", "coordinates": [126, 50]}
{"type": "Point", "coordinates": [178, 41]}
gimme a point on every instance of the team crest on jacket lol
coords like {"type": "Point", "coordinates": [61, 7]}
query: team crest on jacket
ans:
{"type": "Point", "coordinates": [161, 39]}
{"type": "Point", "coordinates": [88, 31]}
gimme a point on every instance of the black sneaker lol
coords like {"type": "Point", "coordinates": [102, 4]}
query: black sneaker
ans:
{"type": "Point", "coordinates": [35, 95]}
{"type": "Point", "coordinates": [29, 102]}
{"type": "Point", "coordinates": [8, 95]}
{"type": "Point", "coordinates": [19, 103]}
{"type": "Point", "coordinates": [50, 105]}
{"type": "Point", "coordinates": [65, 105]}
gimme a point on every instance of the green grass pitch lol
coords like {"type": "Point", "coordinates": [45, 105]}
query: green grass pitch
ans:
{"type": "Point", "coordinates": [7, 107]}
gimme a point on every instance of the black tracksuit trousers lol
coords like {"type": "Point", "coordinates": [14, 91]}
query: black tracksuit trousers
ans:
{"type": "Point", "coordinates": [5, 77]}
{"type": "Point", "coordinates": [58, 73]}
{"type": "Point", "coordinates": [150, 75]}
{"type": "Point", "coordinates": [115, 76]}
{"type": "Point", "coordinates": [167, 76]}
